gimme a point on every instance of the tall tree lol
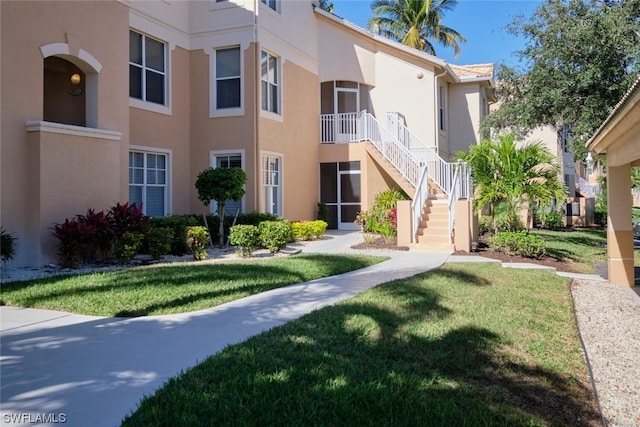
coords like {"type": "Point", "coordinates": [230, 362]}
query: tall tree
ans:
{"type": "Point", "coordinates": [580, 57]}
{"type": "Point", "coordinates": [511, 178]}
{"type": "Point", "coordinates": [416, 23]}
{"type": "Point", "coordinates": [326, 5]}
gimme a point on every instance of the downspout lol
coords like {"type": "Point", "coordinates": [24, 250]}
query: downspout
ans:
{"type": "Point", "coordinates": [256, 100]}
{"type": "Point", "coordinates": [436, 127]}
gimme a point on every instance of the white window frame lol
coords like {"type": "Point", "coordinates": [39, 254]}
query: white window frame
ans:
{"type": "Point", "coordinates": [214, 111]}
{"type": "Point", "coordinates": [213, 161]}
{"type": "Point", "coordinates": [264, 185]}
{"type": "Point", "coordinates": [442, 109]}
{"type": "Point", "coordinates": [143, 103]}
{"type": "Point", "coordinates": [278, 84]}
{"type": "Point", "coordinates": [167, 185]}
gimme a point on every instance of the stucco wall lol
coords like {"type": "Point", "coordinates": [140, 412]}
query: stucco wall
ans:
{"type": "Point", "coordinates": [32, 201]}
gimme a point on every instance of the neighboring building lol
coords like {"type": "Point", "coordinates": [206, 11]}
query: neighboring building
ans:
{"type": "Point", "coordinates": [114, 101]}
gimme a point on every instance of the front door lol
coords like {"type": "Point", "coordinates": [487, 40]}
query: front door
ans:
{"type": "Point", "coordinates": [346, 108]}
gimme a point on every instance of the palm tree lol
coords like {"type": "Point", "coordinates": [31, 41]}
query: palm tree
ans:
{"type": "Point", "coordinates": [511, 178]}
{"type": "Point", "coordinates": [326, 5]}
{"type": "Point", "coordinates": [415, 23]}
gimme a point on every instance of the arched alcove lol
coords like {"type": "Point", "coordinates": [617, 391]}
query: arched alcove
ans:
{"type": "Point", "coordinates": [66, 101]}
{"type": "Point", "coordinates": [64, 92]}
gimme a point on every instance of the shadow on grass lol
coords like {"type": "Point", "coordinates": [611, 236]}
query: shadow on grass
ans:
{"type": "Point", "coordinates": [177, 287]}
{"type": "Point", "coordinates": [389, 357]}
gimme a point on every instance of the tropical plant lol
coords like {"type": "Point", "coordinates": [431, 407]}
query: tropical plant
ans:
{"type": "Point", "coordinates": [127, 246]}
{"type": "Point", "coordinates": [7, 245]}
{"type": "Point", "coordinates": [197, 240]}
{"type": "Point", "coordinates": [519, 243]}
{"type": "Point", "coordinates": [220, 184]}
{"type": "Point", "coordinates": [511, 178]}
{"type": "Point", "coordinates": [416, 23]}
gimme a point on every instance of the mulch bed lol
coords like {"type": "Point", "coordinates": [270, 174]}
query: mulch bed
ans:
{"type": "Point", "coordinates": [546, 261]}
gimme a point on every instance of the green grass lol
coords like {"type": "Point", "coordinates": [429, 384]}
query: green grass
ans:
{"type": "Point", "coordinates": [465, 344]}
{"type": "Point", "coordinates": [174, 288]}
{"type": "Point", "coordinates": [583, 248]}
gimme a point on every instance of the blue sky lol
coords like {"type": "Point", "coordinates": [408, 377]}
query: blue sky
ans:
{"type": "Point", "coordinates": [481, 22]}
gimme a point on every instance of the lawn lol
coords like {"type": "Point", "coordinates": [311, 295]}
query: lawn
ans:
{"type": "Point", "coordinates": [464, 344]}
{"type": "Point", "coordinates": [582, 248]}
{"type": "Point", "coordinates": [174, 288]}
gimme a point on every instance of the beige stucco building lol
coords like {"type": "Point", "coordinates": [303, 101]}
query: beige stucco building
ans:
{"type": "Point", "coordinates": [113, 101]}
{"type": "Point", "coordinates": [619, 139]}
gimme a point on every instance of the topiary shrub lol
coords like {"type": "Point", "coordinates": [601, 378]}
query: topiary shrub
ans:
{"type": "Point", "coordinates": [245, 237]}
{"type": "Point", "coordinates": [197, 241]}
{"type": "Point", "coordinates": [520, 243]}
{"type": "Point", "coordinates": [274, 235]}
{"type": "Point", "coordinates": [7, 245]}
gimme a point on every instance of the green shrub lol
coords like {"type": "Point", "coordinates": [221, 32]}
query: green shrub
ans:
{"type": "Point", "coordinates": [300, 231]}
{"type": "Point", "coordinates": [128, 246]}
{"type": "Point", "coordinates": [159, 241]}
{"type": "Point", "coordinates": [245, 237]}
{"type": "Point", "coordinates": [317, 228]}
{"type": "Point", "coordinates": [274, 235]}
{"type": "Point", "coordinates": [551, 220]}
{"type": "Point", "coordinates": [323, 212]}
{"type": "Point", "coordinates": [485, 224]}
{"type": "Point", "coordinates": [7, 245]}
{"type": "Point", "coordinates": [178, 224]}
{"type": "Point", "coordinates": [519, 243]}
{"type": "Point", "coordinates": [197, 241]}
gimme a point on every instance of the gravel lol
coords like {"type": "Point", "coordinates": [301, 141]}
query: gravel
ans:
{"type": "Point", "coordinates": [608, 318]}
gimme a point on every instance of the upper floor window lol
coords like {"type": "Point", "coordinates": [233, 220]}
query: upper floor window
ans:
{"type": "Point", "coordinates": [147, 65]}
{"type": "Point", "coordinates": [273, 4]}
{"type": "Point", "coordinates": [270, 66]}
{"type": "Point", "coordinates": [227, 76]}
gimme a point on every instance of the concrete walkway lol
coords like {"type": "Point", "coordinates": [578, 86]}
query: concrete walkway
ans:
{"type": "Point", "coordinates": [93, 371]}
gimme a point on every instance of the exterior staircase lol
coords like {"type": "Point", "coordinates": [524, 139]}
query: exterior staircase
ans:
{"type": "Point", "coordinates": [425, 177]}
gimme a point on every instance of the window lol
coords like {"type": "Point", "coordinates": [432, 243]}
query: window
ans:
{"type": "Point", "coordinates": [271, 182]}
{"type": "Point", "coordinates": [227, 84]}
{"type": "Point", "coordinates": [148, 181]}
{"type": "Point", "coordinates": [270, 83]}
{"type": "Point", "coordinates": [273, 4]}
{"type": "Point", "coordinates": [228, 160]}
{"type": "Point", "coordinates": [441, 108]}
{"type": "Point", "coordinates": [146, 68]}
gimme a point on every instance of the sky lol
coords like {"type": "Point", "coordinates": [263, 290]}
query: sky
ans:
{"type": "Point", "coordinates": [481, 22]}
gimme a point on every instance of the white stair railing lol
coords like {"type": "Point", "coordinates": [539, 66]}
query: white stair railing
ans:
{"type": "Point", "coordinates": [406, 152]}
{"type": "Point", "coordinates": [399, 156]}
{"type": "Point", "coordinates": [440, 172]}
{"type": "Point", "coordinates": [419, 200]}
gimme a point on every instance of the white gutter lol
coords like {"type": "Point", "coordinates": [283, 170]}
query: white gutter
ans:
{"type": "Point", "coordinates": [436, 96]}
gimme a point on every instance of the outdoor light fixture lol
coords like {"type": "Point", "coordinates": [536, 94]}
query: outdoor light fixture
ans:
{"type": "Point", "coordinates": [75, 81]}
{"type": "Point", "coordinates": [589, 161]}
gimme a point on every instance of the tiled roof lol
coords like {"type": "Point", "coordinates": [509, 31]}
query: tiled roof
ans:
{"type": "Point", "coordinates": [474, 70]}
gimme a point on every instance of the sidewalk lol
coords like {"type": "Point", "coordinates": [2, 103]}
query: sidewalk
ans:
{"type": "Point", "coordinates": [92, 371]}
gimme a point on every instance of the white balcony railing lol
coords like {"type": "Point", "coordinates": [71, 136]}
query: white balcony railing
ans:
{"type": "Point", "coordinates": [405, 151]}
